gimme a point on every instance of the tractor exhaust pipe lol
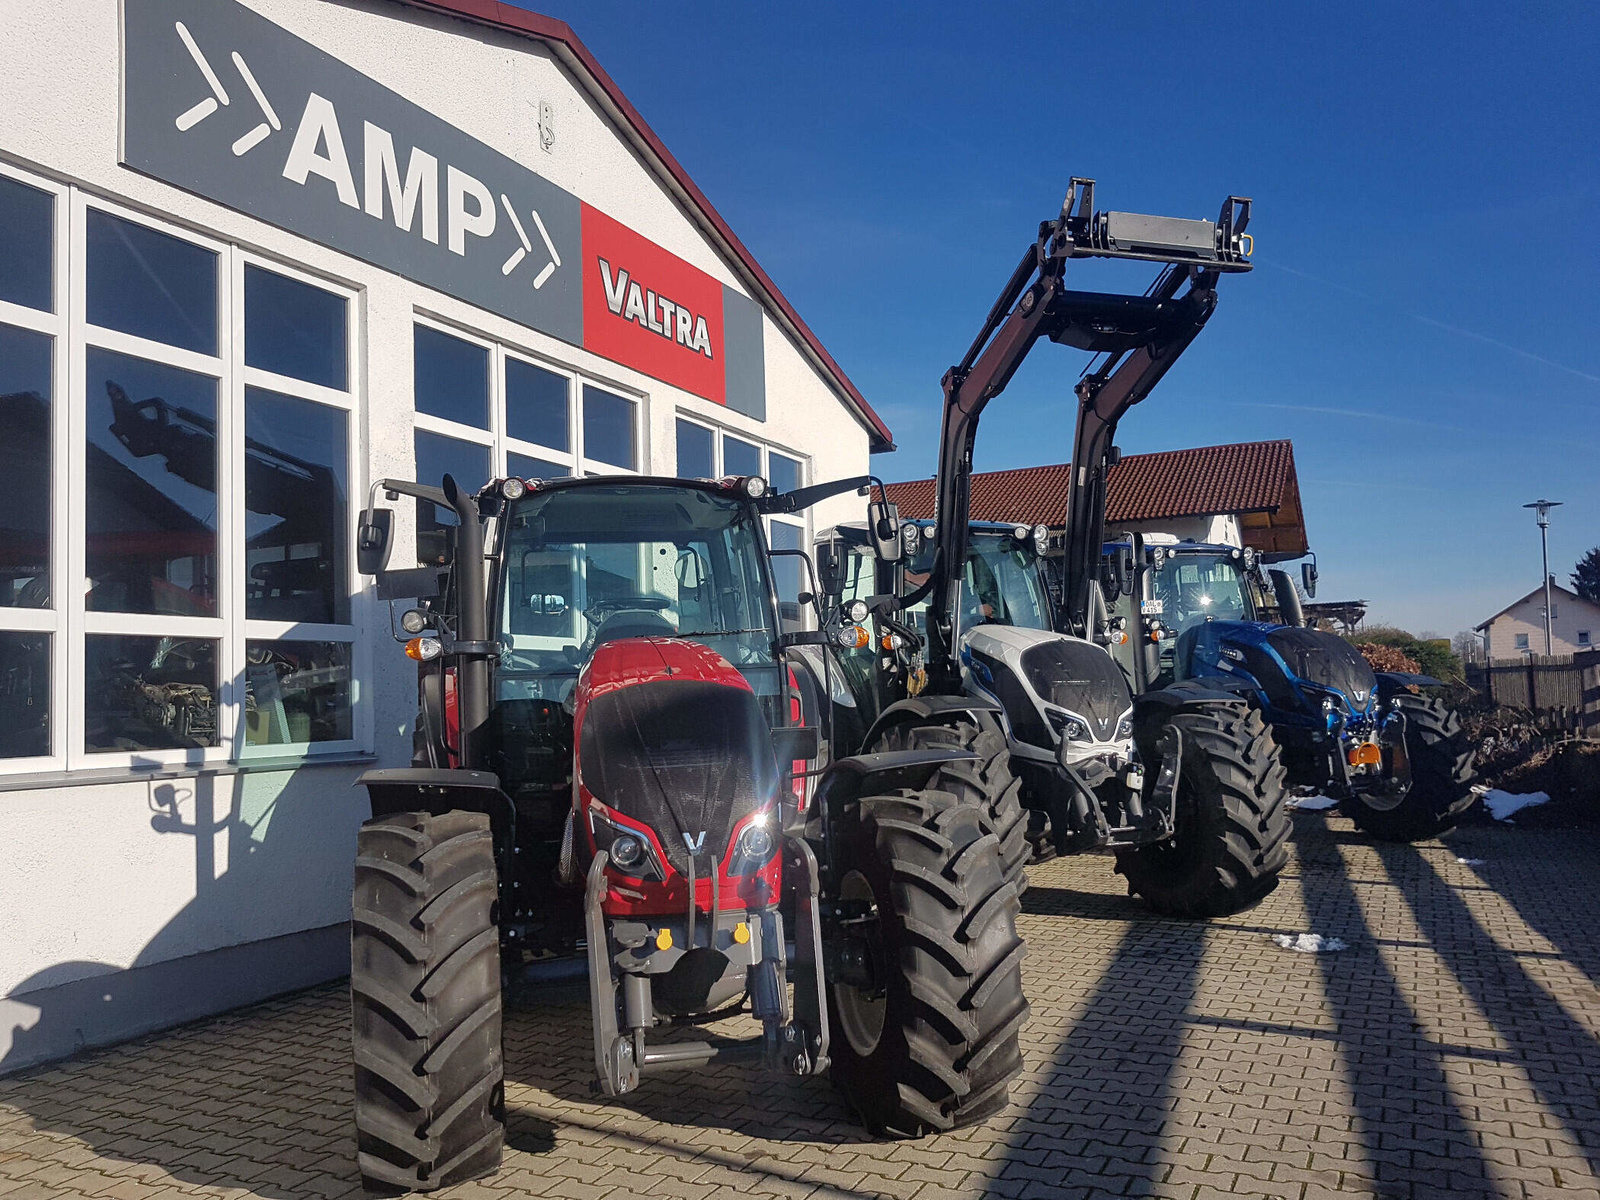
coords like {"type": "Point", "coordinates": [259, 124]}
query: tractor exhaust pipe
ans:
{"type": "Point", "coordinates": [472, 669]}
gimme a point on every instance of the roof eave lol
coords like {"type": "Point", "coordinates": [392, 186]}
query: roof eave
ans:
{"type": "Point", "coordinates": [558, 35]}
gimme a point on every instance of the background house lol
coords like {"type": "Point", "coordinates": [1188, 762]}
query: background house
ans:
{"type": "Point", "coordinates": [1519, 627]}
{"type": "Point", "coordinates": [1241, 494]}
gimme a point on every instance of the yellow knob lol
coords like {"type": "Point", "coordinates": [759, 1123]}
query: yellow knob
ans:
{"type": "Point", "coordinates": [741, 933]}
{"type": "Point", "coordinates": [664, 940]}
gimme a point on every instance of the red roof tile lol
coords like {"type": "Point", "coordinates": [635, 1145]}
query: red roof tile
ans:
{"type": "Point", "coordinates": [1238, 478]}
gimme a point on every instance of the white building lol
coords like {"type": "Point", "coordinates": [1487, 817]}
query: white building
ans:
{"type": "Point", "coordinates": [1518, 629]}
{"type": "Point", "coordinates": [255, 255]}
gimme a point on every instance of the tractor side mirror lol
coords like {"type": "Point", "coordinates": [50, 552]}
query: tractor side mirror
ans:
{"type": "Point", "coordinates": [883, 525]}
{"type": "Point", "coordinates": [372, 540]}
{"type": "Point", "coordinates": [830, 560]}
{"type": "Point", "coordinates": [1308, 579]}
{"type": "Point", "coordinates": [1122, 569]}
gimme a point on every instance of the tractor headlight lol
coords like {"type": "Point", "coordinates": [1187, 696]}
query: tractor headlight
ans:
{"type": "Point", "coordinates": [1124, 729]}
{"type": "Point", "coordinates": [413, 621]}
{"type": "Point", "coordinates": [1069, 727]}
{"type": "Point", "coordinates": [1249, 559]}
{"type": "Point", "coordinates": [513, 488]}
{"type": "Point", "coordinates": [629, 850]}
{"type": "Point", "coordinates": [1158, 556]}
{"type": "Point", "coordinates": [855, 611]}
{"type": "Point", "coordinates": [755, 846]}
{"type": "Point", "coordinates": [1020, 533]}
{"type": "Point", "coordinates": [910, 536]}
{"type": "Point", "coordinates": [1041, 537]}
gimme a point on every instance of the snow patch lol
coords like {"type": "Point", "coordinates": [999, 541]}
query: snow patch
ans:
{"type": "Point", "coordinates": [1309, 943]}
{"type": "Point", "coordinates": [1502, 804]}
{"type": "Point", "coordinates": [1311, 803]}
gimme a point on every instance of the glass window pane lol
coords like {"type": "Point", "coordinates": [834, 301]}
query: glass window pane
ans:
{"type": "Point", "coordinates": [524, 467]}
{"type": "Point", "coordinates": [608, 428]}
{"type": "Point", "coordinates": [25, 392]}
{"type": "Point", "coordinates": [788, 573]}
{"type": "Point", "coordinates": [151, 487]}
{"type": "Point", "coordinates": [27, 223]}
{"type": "Point", "coordinates": [785, 472]}
{"type": "Point", "coordinates": [294, 494]}
{"type": "Point", "coordinates": [438, 456]}
{"type": "Point", "coordinates": [294, 329]}
{"type": "Point", "coordinates": [740, 457]}
{"type": "Point", "coordinates": [24, 695]}
{"type": "Point", "coordinates": [696, 451]}
{"type": "Point", "coordinates": [150, 284]}
{"type": "Point", "coordinates": [536, 405]}
{"type": "Point", "coordinates": [296, 692]}
{"type": "Point", "coordinates": [149, 693]}
{"type": "Point", "coordinates": [451, 378]}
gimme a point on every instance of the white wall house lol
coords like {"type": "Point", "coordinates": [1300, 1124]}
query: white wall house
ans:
{"type": "Point", "coordinates": [254, 256]}
{"type": "Point", "coordinates": [1518, 629]}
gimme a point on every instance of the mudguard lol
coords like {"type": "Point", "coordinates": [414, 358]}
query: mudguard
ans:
{"type": "Point", "coordinates": [435, 790]}
{"type": "Point", "coordinates": [926, 710]}
{"type": "Point", "coordinates": [1186, 694]}
{"type": "Point", "coordinates": [848, 779]}
{"type": "Point", "coordinates": [1394, 681]}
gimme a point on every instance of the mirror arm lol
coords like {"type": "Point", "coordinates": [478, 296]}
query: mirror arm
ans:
{"type": "Point", "coordinates": [803, 498]}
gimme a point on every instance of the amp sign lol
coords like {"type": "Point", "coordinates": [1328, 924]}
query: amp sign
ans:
{"type": "Point", "coordinates": [222, 102]}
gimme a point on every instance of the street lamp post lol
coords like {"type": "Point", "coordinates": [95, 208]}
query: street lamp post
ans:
{"type": "Point", "coordinates": [1544, 507]}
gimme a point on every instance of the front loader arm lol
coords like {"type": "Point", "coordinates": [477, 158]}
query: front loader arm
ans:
{"type": "Point", "coordinates": [1140, 337]}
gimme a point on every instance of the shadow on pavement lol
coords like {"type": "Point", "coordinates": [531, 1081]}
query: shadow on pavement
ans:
{"type": "Point", "coordinates": [1415, 1137]}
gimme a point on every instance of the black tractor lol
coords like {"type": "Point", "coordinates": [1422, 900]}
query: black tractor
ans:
{"type": "Point", "coordinates": [614, 778]}
{"type": "Point", "coordinates": [1183, 784]}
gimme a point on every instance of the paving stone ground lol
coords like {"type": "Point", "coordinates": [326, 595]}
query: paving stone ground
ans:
{"type": "Point", "coordinates": [1452, 1050]}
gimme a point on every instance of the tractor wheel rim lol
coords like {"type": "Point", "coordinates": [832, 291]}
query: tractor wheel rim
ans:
{"type": "Point", "coordinates": [861, 1016]}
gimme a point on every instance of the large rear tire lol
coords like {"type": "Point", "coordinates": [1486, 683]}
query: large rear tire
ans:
{"type": "Point", "coordinates": [987, 783]}
{"type": "Point", "coordinates": [934, 1047]}
{"type": "Point", "coordinates": [425, 1002]}
{"type": "Point", "coordinates": [1441, 777]}
{"type": "Point", "coordinates": [1233, 825]}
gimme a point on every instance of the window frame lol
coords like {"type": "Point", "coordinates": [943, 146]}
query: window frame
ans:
{"type": "Point", "coordinates": [496, 438]}
{"type": "Point", "coordinates": [69, 622]}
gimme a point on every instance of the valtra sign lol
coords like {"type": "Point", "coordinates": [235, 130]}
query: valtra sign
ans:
{"type": "Point", "coordinates": [224, 103]}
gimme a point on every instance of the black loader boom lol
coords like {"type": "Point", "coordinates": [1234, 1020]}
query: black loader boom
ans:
{"type": "Point", "coordinates": [1135, 340]}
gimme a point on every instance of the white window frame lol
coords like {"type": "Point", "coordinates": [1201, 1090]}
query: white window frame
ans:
{"type": "Point", "coordinates": [53, 620]}
{"type": "Point", "coordinates": [495, 437]}
{"type": "Point", "coordinates": [1584, 638]}
{"type": "Point", "coordinates": [800, 521]}
{"type": "Point", "coordinates": [68, 621]}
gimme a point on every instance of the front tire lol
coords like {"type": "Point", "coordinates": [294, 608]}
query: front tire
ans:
{"type": "Point", "coordinates": [934, 1046]}
{"type": "Point", "coordinates": [425, 1002]}
{"type": "Point", "coordinates": [1441, 777]}
{"type": "Point", "coordinates": [987, 783]}
{"type": "Point", "coordinates": [1233, 825]}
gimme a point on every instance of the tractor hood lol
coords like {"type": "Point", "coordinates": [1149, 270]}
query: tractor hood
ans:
{"type": "Point", "coordinates": [671, 735]}
{"type": "Point", "coordinates": [1040, 677]}
{"type": "Point", "coordinates": [1294, 667]}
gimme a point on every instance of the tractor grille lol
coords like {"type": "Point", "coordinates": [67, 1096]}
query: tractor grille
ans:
{"type": "Point", "coordinates": [1081, 678]}
{"type": "Point", "coordinates": [684, 758]}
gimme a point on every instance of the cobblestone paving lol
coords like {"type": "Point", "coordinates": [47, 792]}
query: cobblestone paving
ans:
{"type": "Point", "coordinates": [1452, 1049]}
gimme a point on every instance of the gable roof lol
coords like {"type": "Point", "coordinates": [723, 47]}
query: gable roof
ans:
{"type": "Point", "coordinates": [1538, 592]}
{"type": "Point", "coordinates": [1241, 478]}
{"type": "Point", "coordinates": [573, 54]}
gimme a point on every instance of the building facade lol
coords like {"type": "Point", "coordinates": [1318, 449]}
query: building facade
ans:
{"type": "Point", "coordinates": [256, 255]}
{"type": "Point", "coordinates": [1518, 630]}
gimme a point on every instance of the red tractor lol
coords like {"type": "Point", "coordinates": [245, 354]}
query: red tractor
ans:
{"type": "Point", "coordinates": [613, 775]}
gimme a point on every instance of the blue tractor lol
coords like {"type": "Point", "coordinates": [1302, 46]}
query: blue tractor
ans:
{"type": "Point", "coordinates": [1392, 754]}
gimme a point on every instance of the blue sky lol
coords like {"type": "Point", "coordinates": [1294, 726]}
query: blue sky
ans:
{"type": "Point", "coordinates": [1421, 321]}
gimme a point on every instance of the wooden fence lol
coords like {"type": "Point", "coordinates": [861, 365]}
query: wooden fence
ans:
{"type": "Point", "coordinates": [1564, 688]}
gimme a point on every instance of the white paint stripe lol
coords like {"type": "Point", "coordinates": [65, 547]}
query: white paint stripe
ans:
{"type": "Point", "coordinates": [188, 120]}
{"type": "Point", "coordinates": [200, 61]}
{"type": "Point", "coordinates": [542, 276]}
{"type": "Point", "coordinates": [255, 90]}
{"type": "Point", "coordinates": [548, 244]}
{"type": "Point", "coordinates": [510, 264]}
{"type": "Point", "coordinates": [252, 139]}
{"type": "Point", "coordinates": [521, 232]}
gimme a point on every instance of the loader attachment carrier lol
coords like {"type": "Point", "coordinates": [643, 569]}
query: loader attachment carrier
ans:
{"type": "Point", "coordinates": [1135, 339]}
